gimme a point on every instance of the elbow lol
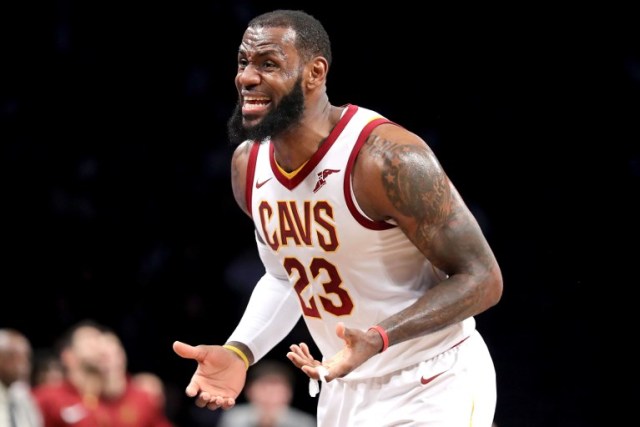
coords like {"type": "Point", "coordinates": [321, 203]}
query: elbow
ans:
{"type": "Point", "coordinates": [494, 286]}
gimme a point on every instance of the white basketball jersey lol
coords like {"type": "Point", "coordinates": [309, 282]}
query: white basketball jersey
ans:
{"type": "Point", "coordinates": [343, 266]}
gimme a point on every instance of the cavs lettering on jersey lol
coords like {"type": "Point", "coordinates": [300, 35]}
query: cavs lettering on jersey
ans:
{"type": "Point", "coordinates": [343, 266]}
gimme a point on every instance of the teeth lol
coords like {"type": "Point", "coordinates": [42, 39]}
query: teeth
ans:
{"type": "Point", "coordinates": [253, 106]}
{"type": "Point", "coordinates": [252, 99]}
{"type": "Point", "coordinates": [255, 103]}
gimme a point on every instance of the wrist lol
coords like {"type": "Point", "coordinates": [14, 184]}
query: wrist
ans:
{"type": "Point", "coordinates": [383, 334]}
{"type": "Point", "coordinates": [239, 351]}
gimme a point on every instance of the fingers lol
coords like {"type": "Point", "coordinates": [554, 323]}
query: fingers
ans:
{"type": "Point", "coordinates": [305, 350]}
{"type": "Point", "coordinates": [297, 356]}
{"type": "Point", "coordinates": [228, 403]}
{"type": "Point", "coordinates": [184, 350]}
{"type": "Point", "coordinates": [205, 400]}
{"type": "Point", "coordinates": [301, 351]}
{"type": "Point", "coordinates": [221, 402]}
{"type": "Point", "coordinates": [192, 389]}
{"type": "Point", "coordinates": [293, 358]}
{"type": "Point", "coordinates": [301, 356]}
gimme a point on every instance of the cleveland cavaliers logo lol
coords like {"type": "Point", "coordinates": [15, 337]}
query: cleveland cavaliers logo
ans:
{"type": "Point", "coordinates": [322, 178]}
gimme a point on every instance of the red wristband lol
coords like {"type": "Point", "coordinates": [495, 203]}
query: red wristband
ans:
{"type": "Point", "coordinates": [383, 334]}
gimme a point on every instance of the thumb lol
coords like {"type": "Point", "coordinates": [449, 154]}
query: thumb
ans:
{"type": "Point", "coordinates": [340, 330]}
{"type": "Point", "coordinates": [184, 350]}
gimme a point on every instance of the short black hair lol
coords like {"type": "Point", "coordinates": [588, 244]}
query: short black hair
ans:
{"type": "Point", "coordinates": [311, 37]}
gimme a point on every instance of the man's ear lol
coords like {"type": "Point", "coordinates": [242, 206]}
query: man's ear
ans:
{"type": "Point", "coordinates": [317, 72]}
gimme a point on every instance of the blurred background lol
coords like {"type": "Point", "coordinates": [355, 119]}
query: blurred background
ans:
{"type": "Point", "coordinates": [117, 204]}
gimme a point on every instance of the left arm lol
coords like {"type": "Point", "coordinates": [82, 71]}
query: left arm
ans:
{"type": "Point", "coordinates": [413, 189]}
{"type": "Point", "coordinates": [398, 177]}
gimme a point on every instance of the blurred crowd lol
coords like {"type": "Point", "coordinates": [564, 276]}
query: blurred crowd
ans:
{"type": "Point", "coordinates": [84, 380]}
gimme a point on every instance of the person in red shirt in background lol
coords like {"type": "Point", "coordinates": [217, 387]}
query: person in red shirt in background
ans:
{"type": "Point", "coordinates": [128, 403]}
{"type": "Point", "coordinates": [97, 389]}
{"type": "Point", "coordinates": [152, 384]}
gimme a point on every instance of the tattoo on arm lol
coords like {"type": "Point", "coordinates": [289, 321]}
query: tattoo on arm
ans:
{"type": "Point", "coordinates": [414, 183]}
{"type": "Point", "coordinates": [441, 226]}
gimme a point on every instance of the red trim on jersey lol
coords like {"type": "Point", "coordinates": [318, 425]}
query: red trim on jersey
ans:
{"type": "Point", "coordinates": [292, 182]}
{"type": "Point", "coordinates": [251, 172]}
{"type": "Point", "coordinates": [362, 138]}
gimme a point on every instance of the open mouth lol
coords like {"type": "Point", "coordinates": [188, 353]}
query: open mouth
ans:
{"type": "Point", "coordinates": [255, 104]}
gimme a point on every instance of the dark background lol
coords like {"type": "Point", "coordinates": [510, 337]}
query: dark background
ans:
{"type": "Point", "coordinates": [117, 205]}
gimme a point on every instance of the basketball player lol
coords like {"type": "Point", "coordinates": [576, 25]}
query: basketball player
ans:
{"type": "Point", "coordinates": [362, 233]}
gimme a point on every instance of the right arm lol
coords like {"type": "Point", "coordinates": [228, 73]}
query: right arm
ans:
{"type": "Point", "coordinates": [272, 312]}
{"type": "Point", "coordinates": [273, 309]}
{"type": "Point", "coordinates": [239, 163]}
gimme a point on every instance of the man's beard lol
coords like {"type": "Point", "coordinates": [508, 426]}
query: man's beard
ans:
{"type": "Point", "coordinates": [287, 113]}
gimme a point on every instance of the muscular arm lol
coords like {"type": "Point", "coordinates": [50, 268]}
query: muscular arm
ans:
{"type": "Point", "coordinates": [398, 177]}
{"type": "Point", "coordinates": [239, 174]}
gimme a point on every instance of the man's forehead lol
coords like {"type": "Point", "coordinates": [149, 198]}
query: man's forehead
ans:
{"type": "Point", "coordinates": [278, 38]}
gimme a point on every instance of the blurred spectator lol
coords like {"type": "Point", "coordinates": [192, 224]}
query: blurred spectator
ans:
{"type": "Point", "coordinates": [97, 390]}
{"type": "Point", "coordinates": [129, 404]}
{"type": "Point", "coordinates": [165, 397]}
{"type": "Point", "coordinates": [17, 406]}
{"type": "Point", "coordinates": [269, 393]}
{"type": "Point", "coordinates": [75, 400]}
{"type": "Point", "coordinates": [153, 385]}
{"type": "Point", "coordinates": [47, 368]}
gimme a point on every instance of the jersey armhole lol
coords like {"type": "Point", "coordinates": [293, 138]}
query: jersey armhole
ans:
{"type": "Point", "coordinates": [348, 191]}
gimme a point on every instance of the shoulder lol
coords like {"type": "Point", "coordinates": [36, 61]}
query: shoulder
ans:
{"type": "Point", "coordinates": [137, 394]}
{"type": "Point", "coordinates": [239, 162]}
{"type": "Point", "coordinates": [45, 390]}
{"type": "Point", "coordinates": [51, 397]}
{"type": "Point", "coordinates": [391, 133]}
{"type": "Point", "coordinates": [241, 152]}
{"type": "Point", "coordinates": [146, 407]}
{"type": "Point", "coordinates": [391, 167]}
{"type": "Point", "coordinates": [240, 159]}
{"type": "Point", "coordinates": [391, 145]}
